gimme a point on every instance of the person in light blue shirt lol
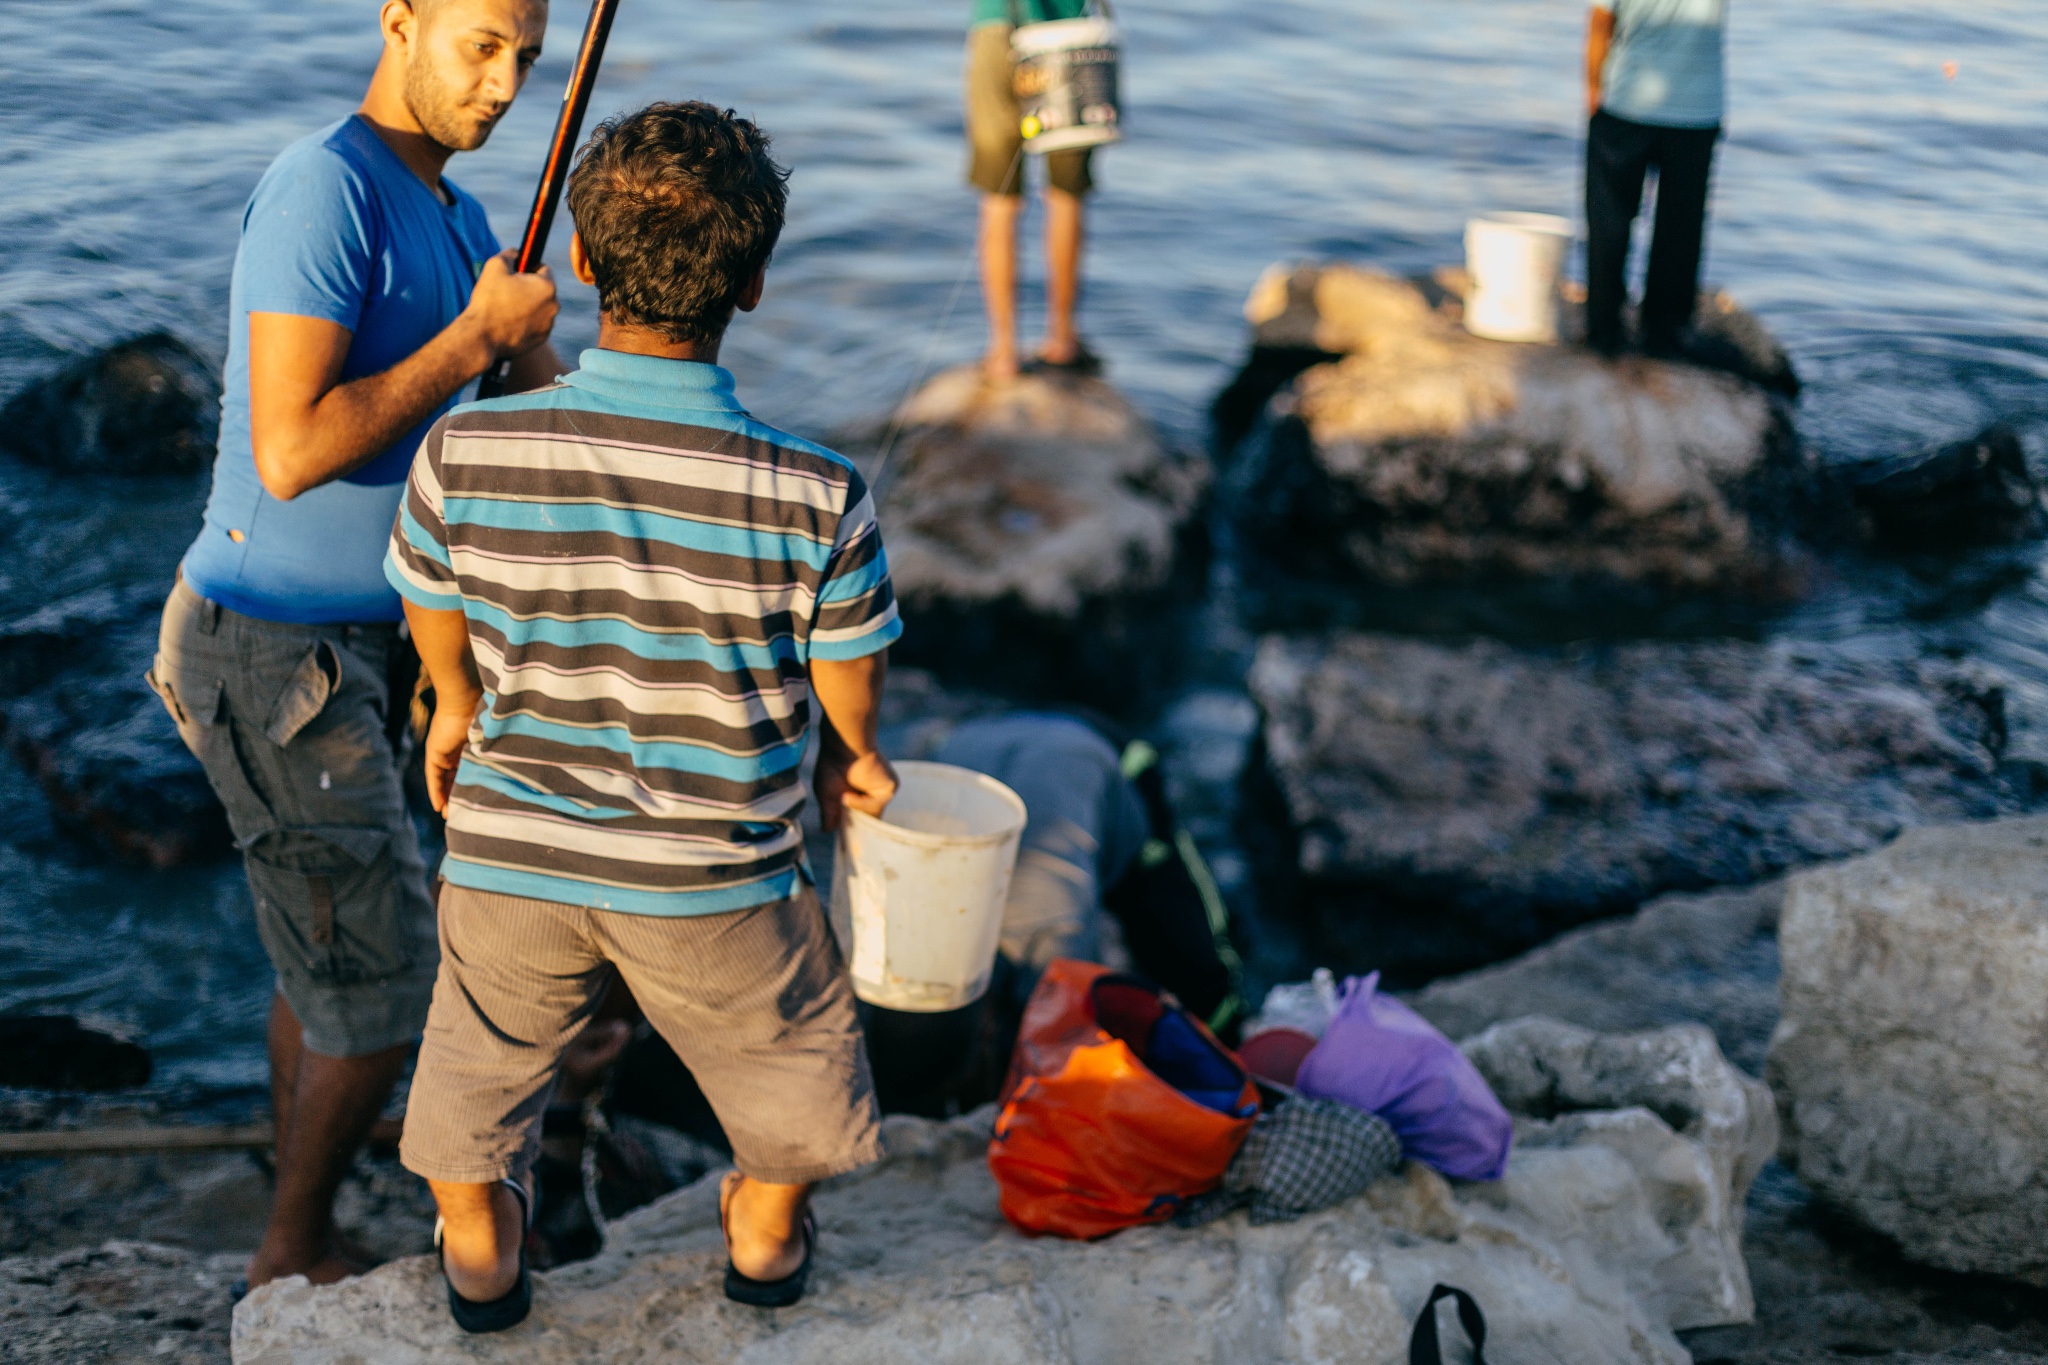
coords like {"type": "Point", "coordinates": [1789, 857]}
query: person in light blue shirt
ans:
{"type": "Point", "coordinates": [1654, 92]}
{"type": "Point", "coordinates": [368, 291]}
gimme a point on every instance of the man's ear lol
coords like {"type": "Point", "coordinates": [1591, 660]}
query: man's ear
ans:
{"type": "Point", "coordinates": [750, 297]}
{"type": "Point", "coordinates": [399, 22]}
{"type": "Point", "coordinates": [579, 260]}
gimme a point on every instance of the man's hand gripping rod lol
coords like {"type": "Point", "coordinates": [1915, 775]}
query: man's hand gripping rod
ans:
{"type": "Point", "coordinates": [575, 100]}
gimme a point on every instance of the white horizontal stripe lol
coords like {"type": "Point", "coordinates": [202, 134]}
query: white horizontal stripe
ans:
{"type": "Point", "coordinates": [845, 633]}
{"type": "Point", "coordinates": [599, 682]}
{"type": "Point", "coordinates": [617, 459]}
{"type": "Point", "coordinates": [594, 839]}
{"type": "Point", "coordinates": [622, 789]}
{"type": "Point", "coordinates": [644, 582]}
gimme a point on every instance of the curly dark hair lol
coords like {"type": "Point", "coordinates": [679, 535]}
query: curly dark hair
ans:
{"type": "Point", "coordinates": [678, 206]}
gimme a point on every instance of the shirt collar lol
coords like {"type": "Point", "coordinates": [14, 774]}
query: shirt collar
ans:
{"type": "Point", "coordinates": [655, 380]}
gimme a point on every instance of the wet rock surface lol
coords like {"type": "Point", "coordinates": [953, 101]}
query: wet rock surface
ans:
{"type": "Point", "coordinates": [56, 1052]}
{"type": "Point", "coordinates": [1428, 807]}
{"type": "Point", "coordinates": [1426, 456]}
{"type": "Point", "coordinates": [1908, 1058]}
{"type": "Point", "coordinates": [75, 711]}
{"type": "Point", "coordinates": [1945, 498]}
{"type": "Point", "coordinates": [118, 1303]}
{"type": "Point", "coordinates": [1573, 1254]}
{"type": "Point", "coordinates": [147, 405]}
{"type": "Point", "coordinates": [1041, 537]}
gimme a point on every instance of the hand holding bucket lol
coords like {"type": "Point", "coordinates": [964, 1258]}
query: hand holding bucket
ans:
{"type": "Point", "coordinates": [922, 889]}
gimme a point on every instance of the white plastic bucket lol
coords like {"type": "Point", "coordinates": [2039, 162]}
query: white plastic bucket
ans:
{"type": "Point", "coordinates": [1513, 260]}
{"type": "Point", "coordinates": [921, 891]}
{"type": "Point", "coordinates": [1065, 78]}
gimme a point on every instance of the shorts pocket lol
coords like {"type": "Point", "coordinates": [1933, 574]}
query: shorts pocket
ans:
{"type": "Point", "coordinates": [328, 906]}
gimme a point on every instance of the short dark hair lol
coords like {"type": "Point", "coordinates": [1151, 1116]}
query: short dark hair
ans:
{"type": "Point", "coordinates": [678, 206]}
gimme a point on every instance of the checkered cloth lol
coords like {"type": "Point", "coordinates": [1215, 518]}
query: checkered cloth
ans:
{"type": "Point", "coordinates": [1305, 1155]}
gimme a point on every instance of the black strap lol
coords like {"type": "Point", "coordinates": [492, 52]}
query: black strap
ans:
{"type": "Point", "coordinates": [1423, 1348]}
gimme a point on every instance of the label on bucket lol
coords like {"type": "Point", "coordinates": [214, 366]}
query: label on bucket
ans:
{"type": "Point", "coordinates": [868, 905]}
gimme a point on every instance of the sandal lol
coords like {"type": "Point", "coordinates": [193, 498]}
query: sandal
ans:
{"type": "Point", "coordinates": [768, 1293]}
{"type": "Point", "coordinates": [1085, 364]}
{"type": "Point", "coordinates": [508, 1309]}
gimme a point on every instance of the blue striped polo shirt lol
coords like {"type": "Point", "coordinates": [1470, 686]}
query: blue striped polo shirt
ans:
{"type": "Point", "coordinates": [647, 573]}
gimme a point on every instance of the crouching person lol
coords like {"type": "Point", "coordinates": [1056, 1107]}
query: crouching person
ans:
{"type": "Point", "coordinates": [630, 596]}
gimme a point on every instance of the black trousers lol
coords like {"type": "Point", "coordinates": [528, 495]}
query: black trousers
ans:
{"type": "Point", "coordinates": [1618, 155]}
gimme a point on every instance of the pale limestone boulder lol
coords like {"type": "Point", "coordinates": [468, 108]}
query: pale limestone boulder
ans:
{"type": "Point", "coordinates": [1428, 456]}
{"type": "Point", "coordinates": [1909, 1058]}
{"type": "Point", "coordinates": [1577, 1255]}
{"type": "Point", "coordinates": [1435, 806]}
{"type": "Point", "coordinates": [1038, 533]}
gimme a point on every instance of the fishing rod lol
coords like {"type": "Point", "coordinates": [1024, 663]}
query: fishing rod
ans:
{"type": "Point", "coordinates": [553, 175]}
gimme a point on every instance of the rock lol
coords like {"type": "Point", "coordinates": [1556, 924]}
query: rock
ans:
{"type": "Point", "coordinates": [97, 739]}
{"type": "Point", "coordinates": [119, 1303]}
{"type": "Point", "coordinates": [1581, 1253]}
{"type": "Point", "coordinates": [1428, 456]}
{"type": "Point", "coordinates": [1952, 497]}
{"type": "Point", "coordinates": [147, 405]}
{"type": "Point", "coordinates": [54, 1052]}
{"type": "Point", "coordinates": [1908, 1059]}
{"type": "Point", "coordinates": [1695, 1129]}
{"type": "Point", "coordinates": [1040, 536]}
{"type": "Point", "coordinates": [1708, 957]}
{"type": "Point", "coordinates": [1423, 808]}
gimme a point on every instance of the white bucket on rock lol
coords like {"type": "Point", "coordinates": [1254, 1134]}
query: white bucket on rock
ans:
{"type": "Point", "coordinates": [1064, 74]}
{"type": "Point", "coordinates": [921, 890]}
{"type": "Point", "coordinates": [1513, 261]}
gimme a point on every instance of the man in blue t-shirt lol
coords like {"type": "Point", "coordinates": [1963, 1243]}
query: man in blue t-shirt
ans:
{"type": "Point", "coordinates": [1653, 89]}
{"type": "Point", "coordinates": [368, 292]}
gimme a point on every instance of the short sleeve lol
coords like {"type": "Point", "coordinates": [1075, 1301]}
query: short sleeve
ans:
{"type": "Point", "coordinates": [856, 613]}
{"type": "Point", "coordinates": [418, 564]}
{"type": "Point", "coordinates": [308, 239]}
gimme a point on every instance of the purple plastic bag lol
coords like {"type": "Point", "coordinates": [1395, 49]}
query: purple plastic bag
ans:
{"type": "Point", "coordinates": [1380, 1056]}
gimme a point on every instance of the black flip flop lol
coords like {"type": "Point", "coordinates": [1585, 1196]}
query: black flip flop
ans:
{"type": "Point", "coordinates": [508, 1309]}
{"type": "Point", "coordinates": [1085, 364]}
{"type": "Point", "coordinates": [769, 1293]}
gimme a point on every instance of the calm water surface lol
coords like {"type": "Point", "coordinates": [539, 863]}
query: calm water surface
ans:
{"type": "Point", "coordinates": [1888, 221]}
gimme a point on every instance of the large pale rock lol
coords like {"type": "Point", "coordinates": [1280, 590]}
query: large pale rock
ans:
{"type": "Point", "coordinates": [1909, 1057]}
{"type": "Point", "coordinates": [1583, 1253]}
{"type": "Point", "coordinates": [1429, 456]}
{"type": "Point", "coordinates": [1425, 807]}
{"type": "Point", "coordinates": [1039, 534]}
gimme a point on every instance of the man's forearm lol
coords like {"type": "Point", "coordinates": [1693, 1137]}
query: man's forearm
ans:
{"type": "Point", "coordinates": [1599, 38]}
{"type": "Point", "coordinates": [354, 422]}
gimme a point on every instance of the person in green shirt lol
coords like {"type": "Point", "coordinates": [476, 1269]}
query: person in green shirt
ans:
{"type": "Point", "coordinates": [996, 168]}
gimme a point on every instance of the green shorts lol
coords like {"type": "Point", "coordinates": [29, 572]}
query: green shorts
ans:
{"type": "Point", "coordinates": [289, 722]}
{"type": "Point", "coordinates": [995, 144]}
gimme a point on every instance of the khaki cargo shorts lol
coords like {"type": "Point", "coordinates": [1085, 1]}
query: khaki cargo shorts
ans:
{"type": "Point", "coordinates": [755, 1002]}
{"type": "Point", "coordinates": [291, 725]}
{"type": "Point", "coordinates": [995, 144]}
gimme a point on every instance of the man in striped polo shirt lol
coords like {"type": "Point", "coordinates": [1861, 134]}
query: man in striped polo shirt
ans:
{"type": "Point", "coordinates": [630, 596]}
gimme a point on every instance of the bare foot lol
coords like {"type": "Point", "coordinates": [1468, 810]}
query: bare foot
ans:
{"type": "Point", "coordinates": [329, 1269]}
{"type": "Point", "coordinates": [1060, 352]}
{"type": "Point", "coordinates": [754, 1252]}
{"type": "Point", "coordinates": [999, 367]}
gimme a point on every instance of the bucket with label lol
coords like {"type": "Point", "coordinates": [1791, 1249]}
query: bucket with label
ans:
{"type": "Point", "coordinates": [919, 893]}
{"type": "Point", "coordinates": [1514, 260]}
{"type": "Point", "coordinates": [1065, 76]}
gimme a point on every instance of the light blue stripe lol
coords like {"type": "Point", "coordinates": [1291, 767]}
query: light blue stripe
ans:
{"type": "Point", "coordinates": [632, 901]}
{"type": "Point", "coordinates": [417, 595]}
{"type": "Point", "coordinates": [676, 755]}
{"type": "Point", "coordinates": [583, 518]}
{"type": "Point", "coordinates": [660, 646]}
{"type": "Point", "coordinates": [847, 586]}
{"type": "Point", "coordinates": [473, 774]}
{"type": "Point", "coordinates": [874, 642]}
{"type": "Point", "coordinates": [421, 539]}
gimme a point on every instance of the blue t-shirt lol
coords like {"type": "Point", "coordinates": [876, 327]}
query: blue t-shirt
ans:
{"type": "Point", "coordinates": [1665, 65]}
{"type": "Point", "coordinates": [338, 228]}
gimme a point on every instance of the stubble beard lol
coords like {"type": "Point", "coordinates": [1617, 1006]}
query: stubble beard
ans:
{"type": "Point", "coordinates": [440, 113]}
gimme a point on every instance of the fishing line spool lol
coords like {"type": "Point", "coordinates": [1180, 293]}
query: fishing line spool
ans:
{"type": "Point", "coordinates": [1064, 72]}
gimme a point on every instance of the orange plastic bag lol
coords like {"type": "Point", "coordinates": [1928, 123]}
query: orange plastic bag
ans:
{"type": "Point", "coordinates": [1090, 1139]}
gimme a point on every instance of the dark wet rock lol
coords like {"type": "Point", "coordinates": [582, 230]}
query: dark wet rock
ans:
{"type": "Point", "coordinates": [1425, 808]}
{"type": "Point", "coordinates": [1908, 1059]}
{"type": "Point", "coordinates": [1041, 537]}
{"type": "Point", "coordinates": [147, 405]}
{"type": "Point", "coordinates": [1427, 457]}
{"type": "Point", "coordinates": [56, 1052]}
{"type": "Point", "coordinates": [1951, 497]}
{"type": "Point", "coordinates": [1706, 957]}
{"type": "Point", "coordinates": [75, 711]}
